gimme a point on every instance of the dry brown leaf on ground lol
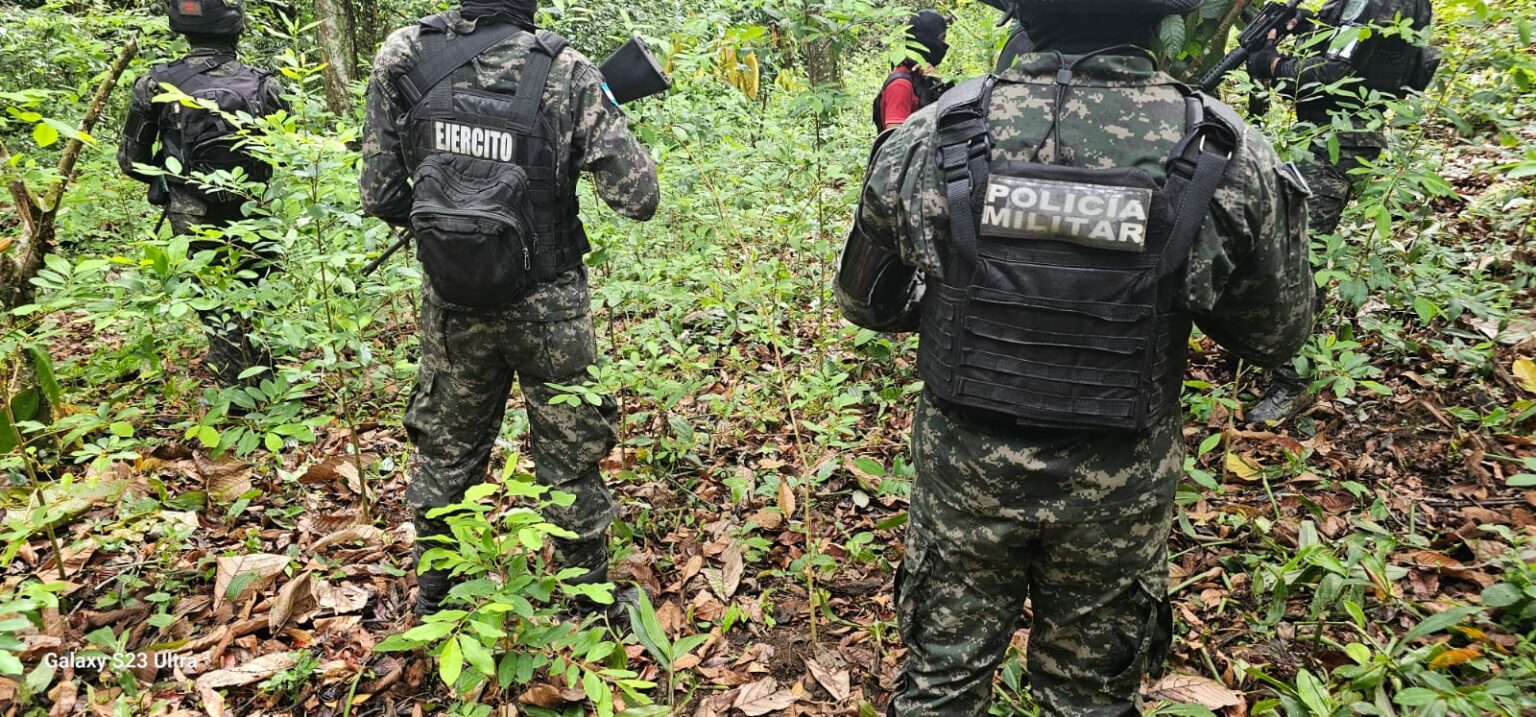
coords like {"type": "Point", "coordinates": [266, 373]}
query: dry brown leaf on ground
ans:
{"type": "Point", "coordinates": [730, 578]}
{"type": "Point", "coordinates": [340, 599]}
{"type": "Point", "coordinates": [258, 669]}
{"type": "Point", "coordinates": [263, 567]}
{"type": "Point", "coordinates": [835, 681]}
{"type": "Point", "coordinates": [225, 481]}
{"type": "Point", "coordinates": [767, 519]}
{"type": "Point", "coordinates": [351, 534]}
{"type": "Point", "coordinates": [1194, 689]}
{"type": "Point", "coordinates": [294, 600]}
{"type": "Point", "coordinates": [543, 694]}
{"type": "Point", "coordinates": [786, 499]}
{"type": "Point", "coordinates": [762, 697]}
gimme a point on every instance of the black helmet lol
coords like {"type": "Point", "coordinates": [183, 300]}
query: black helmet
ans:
{"type": "Point", "coordinates": [206, 17]}
{"type": "Point", "coordinates": [1106, 7]}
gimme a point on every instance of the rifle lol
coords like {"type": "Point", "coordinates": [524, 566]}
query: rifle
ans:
{"type": "Point", "coordinates": [402, 237]}
{"type": "Point", "coordinates": [1275, 18]}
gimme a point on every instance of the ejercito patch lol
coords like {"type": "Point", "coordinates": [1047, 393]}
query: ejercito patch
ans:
{"type": "Point", "coordinates": [1092, 215]}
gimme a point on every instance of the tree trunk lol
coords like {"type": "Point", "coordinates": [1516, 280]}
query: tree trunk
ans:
{"type": "Point", "coordinates": [337, 49]}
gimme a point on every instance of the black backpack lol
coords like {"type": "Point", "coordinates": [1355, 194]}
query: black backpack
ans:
{"type": "Point", "coordinates": [489, 216]}
{"type": "Point", "coordinates": [204, 141]}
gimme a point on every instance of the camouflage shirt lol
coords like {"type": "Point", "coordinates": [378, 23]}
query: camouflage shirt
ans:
{"type": "Point", "coordinates": [1248, 283]}
{"type": "Point", "coordinates": [137, 146]}
{"type": "Point", "coordinates": [592, 131]}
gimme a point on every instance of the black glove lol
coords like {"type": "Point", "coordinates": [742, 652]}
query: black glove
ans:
{"type": "Point", "coordinates": [1261, 64]}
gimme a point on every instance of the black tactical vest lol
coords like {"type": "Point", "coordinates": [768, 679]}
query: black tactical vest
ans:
{"type": "Point", "coordinates": [456, 132]}
{"type": "Point", "coordinates": [1058, 304]}
{"type": "Point", "coordinates": [203, 141]}
{"type": "Point", "coordinates": [926, 88]}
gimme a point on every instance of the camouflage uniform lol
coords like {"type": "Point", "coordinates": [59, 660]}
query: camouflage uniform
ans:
{"type": "Point", "coordinates": [230, 350]}
{"type": "Point", "coordinates": [469, 358]}
{"type": "Point", "coordinates": [1333, 183]}
{"type": "Point", "coordinates": [1076, 521]}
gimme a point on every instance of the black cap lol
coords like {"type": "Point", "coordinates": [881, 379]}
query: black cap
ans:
{"type": "Point", "coordinates": [206, 17]}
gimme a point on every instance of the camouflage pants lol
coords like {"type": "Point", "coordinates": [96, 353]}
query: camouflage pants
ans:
{"type": "Point", "coordinates": [1332, 184]}
{"type": "Point", "coordinates": [468, 363]}
{"type": "Point", "coordinates": [1098, 590]}
{"type": "Point", "coordinates": [230, 351]}
{"type": "Point", "coordinates": [1333, 187]}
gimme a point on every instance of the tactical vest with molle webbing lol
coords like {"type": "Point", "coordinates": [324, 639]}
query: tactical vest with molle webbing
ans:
{"type": "Point", "coordinates": [494, 209]}
{"type": "Point", "coordinates": [1057, 308]}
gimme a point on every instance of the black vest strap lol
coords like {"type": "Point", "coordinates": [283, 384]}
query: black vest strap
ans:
{"type": "Point", "coordinates": [415, 84]}
{"type": "Point", "coordinates": [530, 84]}
{"type": "Point", "coordinates": [1201, 159]}
{"type": "Point", "coordinates": [176, 74]}
{"type": "Point", "coordinates": [964, 147]}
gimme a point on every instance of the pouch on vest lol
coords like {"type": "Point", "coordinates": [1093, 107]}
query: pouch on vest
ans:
{"type": "Point", "coordinates": [473, 233]}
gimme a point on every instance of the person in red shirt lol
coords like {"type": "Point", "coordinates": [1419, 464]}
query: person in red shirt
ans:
{"type": "Point", "coordinates": [910, 87]}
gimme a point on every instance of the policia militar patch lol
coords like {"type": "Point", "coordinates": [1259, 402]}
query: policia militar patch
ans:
{"type": "Point", "coordinates": [1093, 215]}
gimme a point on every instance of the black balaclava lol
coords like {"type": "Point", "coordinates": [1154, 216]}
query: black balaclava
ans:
{"type": "Point", "coordinates": [1079, 34]}
{"type": "Point", "coordinates": [517, 12]}
{"type": "Point", "coordinates": [927, 28]}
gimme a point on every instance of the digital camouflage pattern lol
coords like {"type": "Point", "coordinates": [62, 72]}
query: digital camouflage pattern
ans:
{"type": "Point", "coordinates": [470, 359]}
{"type": "Point", "coordinates": [468, 363]}
{"type": "Point", "coordinates": [1075, 521]}
{"type": "Point", "coordinates": [592, 130]}
{"type": "Point", "coordinates": [230, 349]}
{"type": "Point", "coordinates": [998, 518]}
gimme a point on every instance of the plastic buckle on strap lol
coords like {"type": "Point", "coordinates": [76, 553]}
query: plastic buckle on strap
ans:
{"type": "Point", "coordinates": [954, 157]}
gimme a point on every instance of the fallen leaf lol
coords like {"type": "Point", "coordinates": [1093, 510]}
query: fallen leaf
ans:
{"type": "Point", "coordinates": [1454, 657]}
{"type": "Point", "coordinates": [296, 598]}
{"type": "Point", "coordinates": [762, 697]}
{"type": "Point", "coordinates": [226, 480]}
{"type": "Point", "coordinates": [767, 519]}
{"type": "Point", "coordinates": [1525, 370]}
{"type": "Point", "coordinates": [786, 498]}
{"type": "Point", "coordinates": [1241, 466]}
{"type": "Point", "coordinates": [835, 682]}
{"type": "Point", "coordinates": [542, 694]}
{"type": "Point", "coordinates": [692, 568]}
{"type": "Point", "coordinates": [263, 567]}
{"type": "Point", "coordinates": [730, 578]}
{"type": "Point", "coordinates": [351, 534]}
{"type": "Point", "coordinates": [339, 599]}
{"type": "Point", "coordinates": [1193, 689]}
{"type": "Point", "coordinates": [258, 669]}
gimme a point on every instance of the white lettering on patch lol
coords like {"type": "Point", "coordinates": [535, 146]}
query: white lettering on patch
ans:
{"type": "Point", "coordinates": [1092, 215]}
{"type": "Point", "coordinates": [478, 142]}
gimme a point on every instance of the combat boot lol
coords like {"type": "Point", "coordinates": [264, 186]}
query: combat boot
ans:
{"type": "Point", "coordinates": [593, 555]}
{"type": "Point", "coordinates": [230, 352]}
{"type": "Point", "coordinates": [432, 587]}
{"type": "Point", "coordinates": [1286, 396]}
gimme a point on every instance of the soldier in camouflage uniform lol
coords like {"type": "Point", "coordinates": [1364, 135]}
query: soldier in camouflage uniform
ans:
{"type": "Point", "coordinates": [212, 29]}
{"type": "Point", "coordinates": [470, 357]}
{"type": "Point", "coordinates": [1378, 64]}
{"type": "Point", "coordinates": [1004, 508]}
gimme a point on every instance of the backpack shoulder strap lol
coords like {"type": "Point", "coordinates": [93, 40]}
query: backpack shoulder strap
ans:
{"type": "Point", "coordinates": [177, 73]}
{"type": "Point", "coordinates": [964, 150]}
{"type": "Point", "coordinates": [530, 83]}
{"type": "Point", "coordinates": [1200, 159]}
{"type": "Point", "coordinates": [415, 83]}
